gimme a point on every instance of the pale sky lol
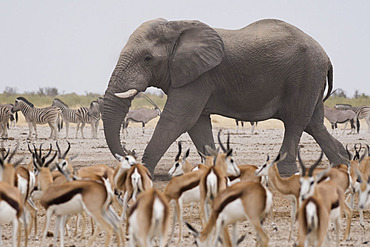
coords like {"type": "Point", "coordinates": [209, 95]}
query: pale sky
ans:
{"type": "Point", "coordinates": [74, 45]}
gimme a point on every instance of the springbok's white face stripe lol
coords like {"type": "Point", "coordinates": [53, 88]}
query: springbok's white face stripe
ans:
{"type": "Point", "coordinates": [176, 169]}
{"type": "Point", "coordinates": [232, 168]}
{"type": "Point", "coordinates": [307, 187]}
{"type": "Point", "coordinates": [128, 161]}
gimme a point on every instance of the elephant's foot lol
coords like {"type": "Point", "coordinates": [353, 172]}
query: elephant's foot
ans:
{"type": "Point", "coordinates": [287, 169]}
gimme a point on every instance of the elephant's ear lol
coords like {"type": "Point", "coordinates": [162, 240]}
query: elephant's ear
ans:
{"type": "Point", "coordinates": [198, 49]}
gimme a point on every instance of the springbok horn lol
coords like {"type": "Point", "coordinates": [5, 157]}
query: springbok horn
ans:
{"type": "Point", "coordinates": [59, 152]}
{"type": "Point", "coordinates": [357, 152]}
{"type": "Point", "coordinates": [51, 160]}
{"type": "Point", "coordinates": [310, 172]}
{"type": "Point", "coordinates": [6, 155]}
{"type": "Point", "coordinates": [47, 155]}
{"type": "Point", "coordinates": [38, 158]}
{"type": "Point", "coordinates": [179, 153]}
{"type": "Point", "coordinates": [219, 141]}
{"type": "Point", "coordinates": [14, 151]}
{"type": "Point", "coordinates": [125, 150]}
{"type": "Point", "coordinates": [66, 152]}
{"type": "Point", "coordinates": [228, 141]}
{"type": "Point", "coordinates": [29, 149]}
{"type": "Point", "coordinates": [202, 156]}
{"type": "Point", "coordinates": [127, 94]}
{"type": "Point", "coordinates": [349, 154]}
{"type": "Point", "coordinates": [40, 150]}
{"type": "Point", "coordinates": [2, 151]}
{"type": "Point", "coordinates": [303, 167]}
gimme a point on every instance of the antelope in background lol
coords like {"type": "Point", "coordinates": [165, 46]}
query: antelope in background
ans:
{"type": "Point", "coordinates": [335, 116]}
{"type": "Point", "coordinates": [141, 115]}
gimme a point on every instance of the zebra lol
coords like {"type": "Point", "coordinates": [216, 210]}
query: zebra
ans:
{"type": "Point", "coordinates": [362, 112]}
{"type": "Point", "coordinates": [89, 115]}
{"type": "Point", "coordinates": [51, 115]}
{"type": "Point", "coordinates": [5, 115]}
{"type": "Point", "coordinates": [14, 117]}
{"type": "Point", "coordinates": [94, 117]}
{"type": "Point", "coordinates": [69, 115]}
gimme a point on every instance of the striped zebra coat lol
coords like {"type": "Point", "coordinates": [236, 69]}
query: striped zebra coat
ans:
{"type": "Point", "coordinates": [51, 115]}
{"type": "Point", "coordinates": [69, 115]}
{"type": "Point", "coordinates": [90, 115]}
{"type": "Point", "coordinates": [5, 115]}
{"type": "Point", "coordinates": [362, 112]}
{"type": "Point", "coordinates": [14, 117]}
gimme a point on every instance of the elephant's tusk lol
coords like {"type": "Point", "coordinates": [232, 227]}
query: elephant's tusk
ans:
{"type": "Point", "coordinates": [127, 94]}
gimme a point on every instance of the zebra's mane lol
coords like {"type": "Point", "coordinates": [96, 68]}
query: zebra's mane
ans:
{"type": "Point", "coordinates": [25, 101]}
{"type": "Point", "coordinates": [61, 102]}
{"type": "Point", "coordinates": [93, 102]}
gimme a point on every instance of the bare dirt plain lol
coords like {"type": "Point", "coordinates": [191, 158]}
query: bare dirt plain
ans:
{"type": "Point", "coordinates": [248, 149]}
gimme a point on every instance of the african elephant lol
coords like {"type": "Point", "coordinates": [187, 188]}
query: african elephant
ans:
{"type": "Point", "coordinates": [268, 69]}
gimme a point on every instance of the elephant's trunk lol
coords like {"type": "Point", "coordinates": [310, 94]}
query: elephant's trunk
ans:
{"type": "Point", "coordinates": [113, 113]}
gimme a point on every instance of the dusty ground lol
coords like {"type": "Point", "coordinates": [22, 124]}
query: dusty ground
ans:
{"type": "Point", "coordinates": [248, 149]}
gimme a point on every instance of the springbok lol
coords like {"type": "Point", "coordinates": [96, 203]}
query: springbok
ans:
{"type": "Point", "coordinates": [11, 200]}
{"type": "Point", "coordinates": [326, 198]}
{"type": "Point", "coordinates": [74, 196]}
{"type": "Point", "coordinates": [240, 201]}
{"type": "Point", "coordinates": [149, 216]}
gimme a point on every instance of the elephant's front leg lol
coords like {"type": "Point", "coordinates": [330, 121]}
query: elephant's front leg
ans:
{"type": "Point", "coordinates": [201, 133]}
{"type": "Point", "coordinates": [182, 111]}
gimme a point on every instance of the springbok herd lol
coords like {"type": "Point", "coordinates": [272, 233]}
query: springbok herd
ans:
{"type": "Point", "coordinates": [122, 202]}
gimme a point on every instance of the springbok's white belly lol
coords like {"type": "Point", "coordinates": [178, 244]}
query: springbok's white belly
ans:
{"type": "Point", "coordinates": [234, 211]}
{"type": "Point", "coordinates": [73, 206]}
{"type": "Point", "coordinates": [189, 196]}
{"type": "Point", "coordinates": [7, 213]}
{"type": "Point", "coordinates": [22, 185]}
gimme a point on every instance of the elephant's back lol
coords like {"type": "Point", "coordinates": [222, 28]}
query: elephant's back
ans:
{"type": "Point", "coordinates": [272, 35]}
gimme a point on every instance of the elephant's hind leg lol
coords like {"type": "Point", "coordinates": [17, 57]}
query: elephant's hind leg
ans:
{"type": "Point", "coordinates": [292, 135]}
{"type": "Point", "coordinates": [332, 148]}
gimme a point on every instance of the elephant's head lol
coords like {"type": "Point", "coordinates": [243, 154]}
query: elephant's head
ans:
{"type": "Point", "coordinates": [159, 53]}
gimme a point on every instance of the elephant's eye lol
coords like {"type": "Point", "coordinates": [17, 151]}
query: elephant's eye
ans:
{"type": "Point", "coordinates": [148, 59]}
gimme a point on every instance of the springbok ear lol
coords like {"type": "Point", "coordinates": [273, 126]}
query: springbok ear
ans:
{"type": "Point", "coordinates": [118, 157]}
{"type": "Point", "coordinates": [187, 154]}
{"type": "Point", "coordinates": [280, 157]}
{"type": "Point", "coordinates": [210, 150]}
{"type": "Point", "coordinates": [73, 157]}
{"type": "Point", "coordinates": [202, 155]}
{"type": "Point", "coordinates": [198, 48]}
{"type": "Point", "coordinates": [323, 173]}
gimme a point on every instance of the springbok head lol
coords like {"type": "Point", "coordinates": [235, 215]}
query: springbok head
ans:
{"type": "Point", "coordinates": [7, 167]}
{"type": "Point", "coordinates": [307, 180]}
{"type": "Point", "coordinates": [224, 160]}
{"type": "Point", "coordinates": [128, 160]}
{"type": "Point", "coordinates": [364, 190]}
{"type": "Point", "coordinates": [63, 161]}
{"type": "Point", "coordinates": [179, 167]}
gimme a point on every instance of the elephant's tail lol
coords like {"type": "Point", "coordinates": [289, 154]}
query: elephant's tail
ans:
{"type": "Point", "coordinates": [330, 82]}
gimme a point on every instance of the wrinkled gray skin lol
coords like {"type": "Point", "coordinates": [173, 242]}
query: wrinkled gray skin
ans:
{"type": "Point", "coordinates": [269, 69]}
